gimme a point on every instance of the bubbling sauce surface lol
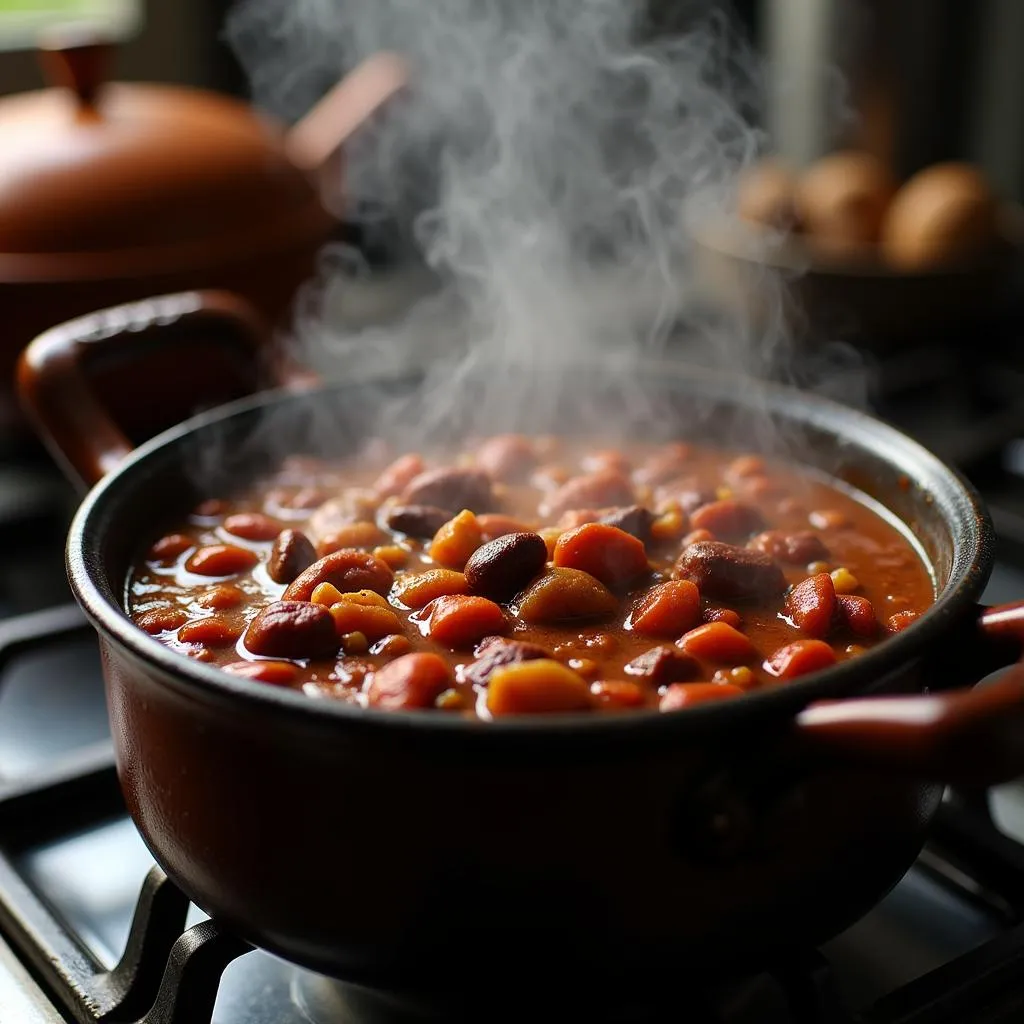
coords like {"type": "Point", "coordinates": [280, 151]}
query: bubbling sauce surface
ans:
{"type": "Point", "coordinates": [530, 575]}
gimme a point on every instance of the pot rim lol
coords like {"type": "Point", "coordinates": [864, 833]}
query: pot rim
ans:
{"type": "Point", "coordinates": [972, 563]}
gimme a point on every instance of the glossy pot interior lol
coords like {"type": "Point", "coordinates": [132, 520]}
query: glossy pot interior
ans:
{"type": "Point", "coordinates": [609, 852]}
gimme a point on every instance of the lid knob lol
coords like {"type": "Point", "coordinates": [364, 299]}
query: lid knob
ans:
{"type": "Point", "coordinates": [77, 59]}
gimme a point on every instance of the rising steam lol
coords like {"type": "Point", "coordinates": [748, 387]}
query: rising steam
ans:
{"type": "Point", "coordinates": [544, 154]}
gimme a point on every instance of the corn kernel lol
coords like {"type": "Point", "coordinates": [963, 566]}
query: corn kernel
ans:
{"type": "Point", "coordinates": [364, 597]}
{"type": "Point", "coordinates": [393, 555]}
{"type": "Point", "coordinates": [816, 568]}
{"type": "Point", "coordinates": [354, 643]}
{"type": "Point", "coordinates": [844, 581]}
{"type": "Point", "coordinates": [741, 676]}
{"type": "Point", "coordinates": [668, 526]}
{"type": "Point", "coordinates": [325, 594]}
{"type": "Point", "coordinates": [550, 537]}
{"type": "Point", "coordinates": [450, 700]}
{"type": "Point", "coordinates": [392, 645]}
{"type": "Point", "coordinates": [723, 492]}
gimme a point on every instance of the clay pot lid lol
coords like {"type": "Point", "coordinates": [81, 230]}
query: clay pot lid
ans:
{"type": "Point", "coordinates": [88, 166]}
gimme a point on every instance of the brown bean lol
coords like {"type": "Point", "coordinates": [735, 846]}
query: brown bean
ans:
{"type": "Point", "coordinates": [221, 560]}
{"type": "Point", "coordinates": [252, 526]}
{"type": "Point", "coordinates": [728, 573]}
{"type": "Point", "coordinates": [161, 620]}
{"type": "Point", "coordinates": [212, 631]}
{"type": "Point", "coordinates": [595, 490]}
{"type": "Point", "coordinates": [421, 521]}
{"type": "Point", "coordinates": [347, 569]}
{"type": "Point", "coordinates": [565, 594]}
{"type": "Point", "coordinates": [502, 567]}
{"type": "Point", "coordinates": [221, 597]}
{"type": "Point", "coordinates": [800, 547]}
{"type": "Point", "coordinates": [168, 548]}
{"type": "Point", "coordinates": [727, 518]}
{"type": "Point", "coordinates": [276, 673]}
{"type": "Point", "coordinates": [726, 615]}
{"type": "Point", "coordinates": [451, 489]}
{"type": "Point", "coordinates": [507, 457]}
{"type": "Point", "coordinates": [493, 652]}
{"type": "Point", "coordinates": [292, 629]}
{"type": "Point", "coordinates": [858, 614]}
{"type": "Point", "coordinates": [633, 519]}
{"type": "Point", "coordinates": [811, 605]}
{"type": "Point", "coordinates": [662, 665]}
{"type": "Point", "coordinates": [292, 552]}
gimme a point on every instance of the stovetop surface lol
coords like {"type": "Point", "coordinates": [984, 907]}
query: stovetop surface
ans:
{"type": "Point", "coordinates": [84, 864]}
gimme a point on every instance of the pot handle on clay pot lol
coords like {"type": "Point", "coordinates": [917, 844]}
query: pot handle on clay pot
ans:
{"type": "Point", "coordinates": [140, 367]}
{"type": "Point", "coordinates": [972, 736]}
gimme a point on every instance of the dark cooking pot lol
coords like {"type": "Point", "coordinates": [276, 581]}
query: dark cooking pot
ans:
{"type": "Point", "coordinates": [432, 855]}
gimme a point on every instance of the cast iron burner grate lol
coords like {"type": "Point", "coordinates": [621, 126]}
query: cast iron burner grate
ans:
{"type": "Point", "coordinates": [171, 973]}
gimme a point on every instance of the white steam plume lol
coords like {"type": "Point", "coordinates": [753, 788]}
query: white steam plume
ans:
{"type": "Point", "coordinates": [544, 153]}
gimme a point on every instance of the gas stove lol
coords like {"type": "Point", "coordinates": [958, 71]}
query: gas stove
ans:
{"type": "Point", "coordinates": [91, 930]}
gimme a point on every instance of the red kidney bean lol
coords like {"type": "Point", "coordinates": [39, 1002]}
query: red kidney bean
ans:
{"type": "Point", "coordinates": [686, 695]}
{"type": "Point", "coordinates": [276, 673]}
{"type": "Point", "coordinates": [727, 518]}
{"type": "Point", "coordinates": [595, 490]}
{"type": "Point", "coordinates": [507, 457]}
{"type": "Point", "coordinates": [161, 620]}
{"type": "Point", "coordinates": [800, 658]}
{"type": "Point", "coordinates": [221, 560]}
{"type": "Point", "coordinates": [726, 615]}
{"type": "Point", "coordinates": [292, 629]}
{"type": "Point", "coordinates": [451, 489]}
{"type": "Point", "coordinates": [210, 508]}
{"type": "Point", "coordinates": [501, 568]}
{"type": "Point", "coordinates": [797, 548]}
{"type": "Point", "coordinates": [398, 475]}
{"type": "Point", "coordinates": [663, 665]}
{"type": "Point", "coordinates": [858, 614]}
{"type": "Point", "coordinates": [168, 548]}
{"type": "Point", "coordinates": [411, 681]}
{"type": "Point", "coordinates": [729, 573]}
{"type": "Point", "coordinates": [348, 570]}
{"type": "Point", "coordinates": [421, 521]}
{"type": "Point", "coordinates": [292, 553]}
{"type": "Point", "coordinates": [222, 597]}
{"type": "Point", "coordinates": [493, 652]}
{"type": "Point", "coordinates": [899, 622]}
{"type": "Point", "coordinates": [811, 605]}
{"type": "Point", "coordinates": [210, 632]}
{"type": "Point", "coordinates": [616, 693]}
{"type": "Point", "coordinates": [252, 526]}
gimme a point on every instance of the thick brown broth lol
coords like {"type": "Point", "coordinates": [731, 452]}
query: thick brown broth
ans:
{"type": "Point", "coordinates": [609, 564]}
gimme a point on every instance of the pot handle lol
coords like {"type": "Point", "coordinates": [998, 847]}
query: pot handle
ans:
{"type": "Point", "coordinates": [972, 736]}
{"type": "Point", "coordinates": [61, 374]}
